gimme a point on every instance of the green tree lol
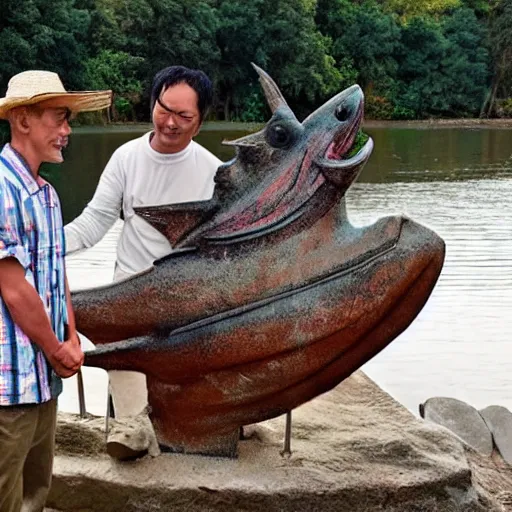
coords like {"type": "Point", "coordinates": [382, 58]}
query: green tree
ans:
{"type": "Point", "coordinates": [442, 66]}
{"type": "Point", "coordinates": [280, 36]}
{"type": "Point", "coordinates": [239, 39]}
{"type": "Point", "coordinates": [157, 33]}
{"type": "Point", "coordinates": [501, 51]}
{"type": "Point", "coordinates": [43, 34]}
{"type": "Point", "coordinates": [481, 8]}
{"type": "Point", "coordinates": [120, 25]}
{"type": "Point", "coordinates": [117, 71]}
{"type": "Point", "coordinates": [140, 37]}
{"type": "Point", "coordinates": [465, 65]}
{"type": "Point", "coordinates": [364, 45]}
{"type": "Point", "coordinates": [413, 58]}
{"type": "Point", "coordinates": [407, 9]}
{"type": "Point", "coordinates": [298, 56]}
{"type": "Point", "coordinates": [419, 66]}
{"type": "Point", "coordinates": [183, 33]}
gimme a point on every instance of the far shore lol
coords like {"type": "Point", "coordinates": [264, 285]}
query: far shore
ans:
{"type": "Point", "coordinates": [477, 123]}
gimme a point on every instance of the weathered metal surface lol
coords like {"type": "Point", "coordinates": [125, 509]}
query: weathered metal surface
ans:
{"type": "Point", "coordinates": [273, 296]}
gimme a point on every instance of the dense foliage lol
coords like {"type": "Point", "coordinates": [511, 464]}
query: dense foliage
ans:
{"type": "Point", "coordinates": [413, 58]}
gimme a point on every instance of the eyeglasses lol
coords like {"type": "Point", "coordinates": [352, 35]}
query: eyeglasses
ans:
{"type": "Point", "coordinates": [180, 117]}
{"type": "Point", "coordinates": [58, 114]}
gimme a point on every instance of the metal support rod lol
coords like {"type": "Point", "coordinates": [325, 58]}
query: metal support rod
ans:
{"type": "Point", "coordinates": [288, 435]}
{"type": "Point", "coordinates": [81, 394]}
{"type": "Point", "coordinates": [109, 412]}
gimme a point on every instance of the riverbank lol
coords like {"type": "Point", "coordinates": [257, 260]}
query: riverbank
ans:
{"type": "Point", "coordinates": [440, 123]}
{"type": "Point", "coordinates": [354, 449]}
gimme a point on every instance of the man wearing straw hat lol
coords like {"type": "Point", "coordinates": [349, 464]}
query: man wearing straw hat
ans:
{"type": "Point", "coordinates": [38, 339]}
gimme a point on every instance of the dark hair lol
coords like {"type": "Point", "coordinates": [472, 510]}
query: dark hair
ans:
{"type": "Point", "coordinates": [195, 78]}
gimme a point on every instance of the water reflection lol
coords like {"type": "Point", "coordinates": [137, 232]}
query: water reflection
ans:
{"type": "Point", "coordinates": [446, 154]}
{"type": "Point", "coordinates": [460, 344]}
{"type": "Point", "coordinates": [457, 181]}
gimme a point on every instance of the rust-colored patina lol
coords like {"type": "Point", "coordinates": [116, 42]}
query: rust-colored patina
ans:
{"type": "Point", "coordinates": [271, 297]}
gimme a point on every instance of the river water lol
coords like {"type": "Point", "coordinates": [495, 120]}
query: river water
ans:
{"type": "Point", "coordinates": [457, 181]}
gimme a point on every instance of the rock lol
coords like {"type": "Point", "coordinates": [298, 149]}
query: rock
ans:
{"type": "Point", "coordinates": [499, 422]}
{"type": "Point", "coordinates": [128, 438]}
{"type": "Point", "coordinates": [131, 438]}
{"type": "Point", "coordinates": [354, 449]}
{"type": "Point", "coordinates": [126, 445]}
{"type": "Point", "coordinates": [493, 475]}
{"type": "Point", "coordinates": [460, 418]}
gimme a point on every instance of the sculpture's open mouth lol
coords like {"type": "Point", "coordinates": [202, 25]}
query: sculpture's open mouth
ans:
{"type": "Point", "coordinates": [343, 141]}
{"type": "Point", "coordinates": [342, 153]}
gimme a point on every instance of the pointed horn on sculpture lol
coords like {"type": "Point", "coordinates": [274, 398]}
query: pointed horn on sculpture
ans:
{"type": "Point", "coordinates": [274, 96]}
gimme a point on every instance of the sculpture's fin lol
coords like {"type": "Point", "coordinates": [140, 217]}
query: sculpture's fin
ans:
{"type": "Point", "coordinates": [175, 221]}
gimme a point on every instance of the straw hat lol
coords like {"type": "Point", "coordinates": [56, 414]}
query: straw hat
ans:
{"type": "Point", "coordinates": [34, 86]}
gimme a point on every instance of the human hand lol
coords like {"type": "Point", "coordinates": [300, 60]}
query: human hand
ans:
{"type": "Point", "coordinates": [75, 340]}
{"type": "Point", "coordinates": [68, 358]}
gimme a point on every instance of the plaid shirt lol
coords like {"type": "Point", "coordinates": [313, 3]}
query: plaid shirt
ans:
{"type": "Point", "coordinates": [30, 231]}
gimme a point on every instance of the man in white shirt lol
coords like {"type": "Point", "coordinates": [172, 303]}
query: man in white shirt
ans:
{"type": "Point", "coordinates": [163, 166]}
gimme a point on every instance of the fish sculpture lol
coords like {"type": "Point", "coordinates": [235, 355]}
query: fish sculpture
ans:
{"type": "Point", "coordinates": [271, 296]}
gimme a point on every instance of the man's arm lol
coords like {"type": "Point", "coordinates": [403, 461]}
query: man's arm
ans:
{"type": "Point", "coordinates": [102, 211]}
{"type": "Point", "coordinates": [27, 311]}
{"type": "Point", "coordinates": [72, 335]}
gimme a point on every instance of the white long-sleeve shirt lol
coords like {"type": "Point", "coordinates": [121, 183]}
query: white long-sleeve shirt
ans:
{"type": "Point", "coordinates": [137, 175]}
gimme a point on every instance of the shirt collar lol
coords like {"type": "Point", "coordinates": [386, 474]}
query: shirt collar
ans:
{"type": "Point", "coordinates": [22, 170]}
{"type": "Point", "coordinates": [168, 158]}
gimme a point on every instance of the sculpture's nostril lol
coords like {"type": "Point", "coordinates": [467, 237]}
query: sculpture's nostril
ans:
{"type": "Point", "coordinates": [342, 113]}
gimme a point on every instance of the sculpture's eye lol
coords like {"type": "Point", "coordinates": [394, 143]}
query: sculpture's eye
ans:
{"type": "Point", "coordinates": [278, 136]}
{"type": "Point", "coordinates": [342, 113]}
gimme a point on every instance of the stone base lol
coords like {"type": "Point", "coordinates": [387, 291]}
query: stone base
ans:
{"type": "Point", "coordinates": [222, 446]}
{"type": "Point", "coordinates": [354, 449]}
